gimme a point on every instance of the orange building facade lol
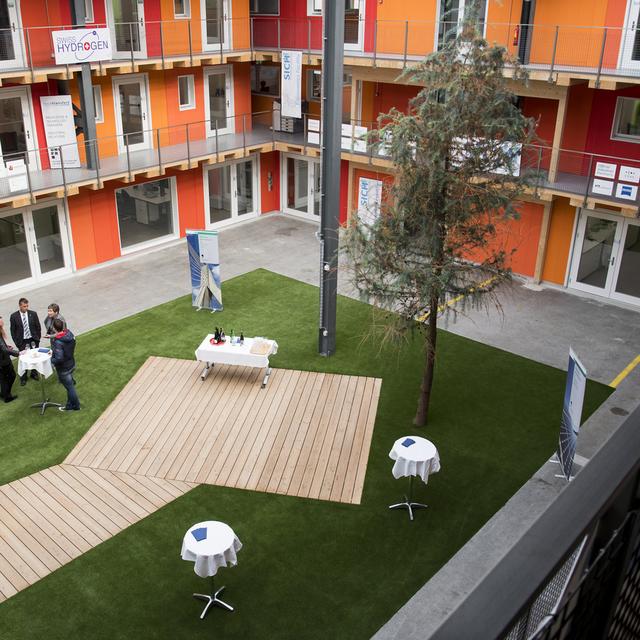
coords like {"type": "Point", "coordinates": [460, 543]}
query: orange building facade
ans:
{"type": "Point", "coordinates": [189, 132]}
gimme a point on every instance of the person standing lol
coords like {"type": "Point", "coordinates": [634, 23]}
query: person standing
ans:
{"type": "Point", "coordinates": [25, 331]}
{"type": "Point", "coordinates": [53, 312]}
{"type": "Point", "coordinates": [7, 373]}
{"type": "Point", "coordinates": [63, 345]}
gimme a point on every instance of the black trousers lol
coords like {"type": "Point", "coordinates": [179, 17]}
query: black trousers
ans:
{"type": "Point", "coordinates": [27, 345]}
{"type": "Point", "coordinates": [7, 376]}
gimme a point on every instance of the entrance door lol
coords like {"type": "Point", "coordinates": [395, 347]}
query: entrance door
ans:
{"type": "Point", "coordinates": [33, 245]}
{"type": "Point", "coordinates": [216, 25]}
{"type": "Point", "coordinates": [126, 21]}
{"type": "Point", "coordinates": [353, 24]}
{"type": "Point", "coordinates": [11, 42]}
{"type": "Point", "coordinates": [133, 122]}
{"type": "Point", "coordinates": [627, 274]}
{"type": "Point", "coordinates": [301, 184]}
{"type": "Point", "coordinates": [451, 17]}
{"type": "Point", "coordinates": [218, 100]}
{"type": "Point", "coordinates": [231, 192]}
{"type": "Point", "coordinates": [526, 30]}
{"type": "Point", "coordinates": [17, 141]}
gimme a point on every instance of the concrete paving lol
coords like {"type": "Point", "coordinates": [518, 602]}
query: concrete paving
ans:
{"type": "Point", "coordinates": [540, 325]}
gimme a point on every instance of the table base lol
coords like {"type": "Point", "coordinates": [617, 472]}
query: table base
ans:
{"type": "Point", "coordinates": [209, 366]}
{"type": "Point", "coordinates": [45, 401]}
{"type": "Point", "coordinates": [212, 600]}
{"type": "Point", "coordinates": [407, 504]}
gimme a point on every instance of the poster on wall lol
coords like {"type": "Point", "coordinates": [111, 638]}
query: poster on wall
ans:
{"type": "Point", "coordinates": [626, 191]}
{"type": "Point", "coordinates": [602, 187]}
{"type": "Point", "coordinates": [629, 174]}
{"type": "Point", "coordinates": [313, 131]}
{"type": "Point", "coordinates": [369, 200]}
{"type": "Point", "coordinates": [204, 266]}
{"type": "Point", "coordinates": [74, 46]}
{"type": "Point", "coordinates": [605, 170]}
{"type": "Point", "coordinates": [291, 84]}
{"type": "Point", "coordinates": [60, 131]}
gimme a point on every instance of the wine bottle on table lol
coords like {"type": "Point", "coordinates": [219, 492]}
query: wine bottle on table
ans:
{"type": "Point", "coordinates": [221, 334]}
{"type": "Point", "coordinates": [216, 335]}
{"type": "Point", "coordinates": [241, 338]}
{"type": "Point", "coordinates": [231, 337]}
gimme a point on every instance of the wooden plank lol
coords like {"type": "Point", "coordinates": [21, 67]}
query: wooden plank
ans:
{"type": "Point", "coordinates": [364, 451]}
{"type": "Point", "coordinates": [7, 587]}
{"type": "Point", "coordinates": [148, 499]}
{"type": "Point", "coordinates": [358, 439]}
{"type": "Point", "coordinates": [140, 505]}
{"type": "Point", "coordinates": [11, 565]}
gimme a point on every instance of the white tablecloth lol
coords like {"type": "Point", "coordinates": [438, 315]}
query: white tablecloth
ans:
{"type": "Point", "coordinates": [35, 360]}
{"type": "Point", "coordinates": [217, 549]}
{"type": "Point", "coordinates": [418, 459]}
{"type": "Point", "coordinates": [234, 353]}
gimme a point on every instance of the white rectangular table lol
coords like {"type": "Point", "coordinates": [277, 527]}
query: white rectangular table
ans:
{"type": "Point", "coordinates": [234, 354]}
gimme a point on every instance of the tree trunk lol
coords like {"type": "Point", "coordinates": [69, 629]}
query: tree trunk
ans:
{"type": "Point", "coordinates": [427, 376]}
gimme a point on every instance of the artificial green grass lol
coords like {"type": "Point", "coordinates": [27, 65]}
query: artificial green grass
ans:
{"type": "Point", "coordinates": [309, 569]}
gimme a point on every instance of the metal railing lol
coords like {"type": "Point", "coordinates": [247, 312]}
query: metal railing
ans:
{"type": "Point", "coordinates": [596, 50]}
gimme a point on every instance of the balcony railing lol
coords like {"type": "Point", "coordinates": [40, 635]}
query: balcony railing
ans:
{"type": "Point", "coordinates": [591, 51]}
{"type": "Point", "coordinates": [574, 173]}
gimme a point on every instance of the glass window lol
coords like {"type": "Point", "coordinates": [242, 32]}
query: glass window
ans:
{"type": "Point", "coordinates": [88, 10]}
{"type": "Point", "coordinates": [314, 85]}
{"type": "Point", "coordinates": [628, 281]}
{"type": "Point", "coordinates": [265, 79]}
{"type": "Point", "coordinates": [97, 103]}
{"type": "Point", "coordinates": [186, 92]}
{"type": "Point", "coordinates": [265, 7]}
{"type": "Point", "coordinates": [145, 212]}
{"type": "Point", "coordinates": [627, 120]}
{"type": "Point", "coordinates": [314, 7]}
{"type": "Point", "coordinates": [181, 8]}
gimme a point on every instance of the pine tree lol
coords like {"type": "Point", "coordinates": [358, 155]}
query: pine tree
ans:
{"type": "Point", "coordinates": [459, 158]}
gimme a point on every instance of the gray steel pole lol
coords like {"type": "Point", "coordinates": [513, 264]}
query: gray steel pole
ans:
{"type": "Point", "coordinates": [85, 89]}
{"type": "Point", "coordinates": [332, 73]}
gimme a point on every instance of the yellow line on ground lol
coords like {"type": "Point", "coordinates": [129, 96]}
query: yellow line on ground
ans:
{"type": "Point", "coordinates": [450, 303]}
{"type": "Point", "coordinates": [625, 372]}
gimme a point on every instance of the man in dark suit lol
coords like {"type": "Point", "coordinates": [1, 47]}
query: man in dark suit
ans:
{"type": "Point", "coordinates": [25, 331]}
{"type": "Point", "coordinates": [7, 374]}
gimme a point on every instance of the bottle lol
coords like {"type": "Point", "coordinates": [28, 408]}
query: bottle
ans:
{"type": "Point", "coordinates": [221, 334]}
{"type": "Point", "coordinates": [216, 335]}
{"type": "Point", "coordinates": [232, 338]}
{"type": "Point", "coordinates": [241, 338]}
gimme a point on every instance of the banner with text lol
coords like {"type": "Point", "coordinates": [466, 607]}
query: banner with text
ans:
{"type": "Point", "coordinates": [369, 200]}
{"type": "Point", "coordinates": [74, 46]}
{"type": "Point", "coordinates": [60, 131]}
{"type": "Point", "coordinates": [291, 84]}
{"type": "Point", "coordinates": [204, 265]}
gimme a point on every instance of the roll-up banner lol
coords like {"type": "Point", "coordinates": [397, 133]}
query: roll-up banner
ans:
{"type": "Point", "coordinates": [291, 84]}
{"type": "Point", "coordinates": [571, 413]}
{"type": "Point", "coordinates": [60, 131]}
{"type": "Point", "coordinates": [369, 200]}
{"type": "Point", "coordinates": [204, 265]}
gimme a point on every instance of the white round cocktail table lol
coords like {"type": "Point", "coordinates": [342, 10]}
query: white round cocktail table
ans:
{"type": "Point", "coordinates": [40, 361]}
{"type": "Point", "coordinates": [211, 545]}
{"type": "Point", "coordinates": [414, 456]}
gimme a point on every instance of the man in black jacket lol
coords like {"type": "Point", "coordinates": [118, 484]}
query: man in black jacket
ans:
{"type": "Point", "coordinates": [7, 374]}
{"type": "Point", "coordinates": [25, 331]}
{"type": "Point", "coordinates": [63, 345]}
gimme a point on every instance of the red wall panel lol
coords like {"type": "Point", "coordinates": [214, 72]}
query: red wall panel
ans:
{"type": "Point", "coordinates": [270, 200]}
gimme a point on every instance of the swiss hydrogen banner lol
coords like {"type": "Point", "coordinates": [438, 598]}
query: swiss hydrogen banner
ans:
{"type": "Point", "coordinates": [60, 131]}
{"type": "Point", "coordinates": [291, 84]}
{"type": "Point", "coordinates": [571, 413]}
{"type": "Point", "coordinates": [369, 200]}
{"type": "Point", "coordinates": [204, 265]}
{"type": "Point", "coordinates": [74, 46]}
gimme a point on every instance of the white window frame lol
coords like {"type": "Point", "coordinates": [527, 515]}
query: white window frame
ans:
{"type": "Point", "coordinates": [310, 75]}
{"type": "Point", "coordinates": [191, 89]}
{"type": "Point", "coordinates": [98, 106]}
{"type": "Point", "coordinates": [187, 10]}
{"type": "Point", "coordinates": [621, 137]}
{"type": "Point", "coordinates": [256, 12]}
{"type": "Point", "coordinates": [314, 7]}
{"type": "Point", "coordinates": [88, 11]}
{"type": "Point", "coordinates": [156, 241]}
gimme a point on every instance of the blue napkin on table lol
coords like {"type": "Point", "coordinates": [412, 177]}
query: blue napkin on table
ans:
{"type": "Point", "coordinates": [200, 534]}
{"type": "Point", "coordinates": [43, 350]}
{"type": "Point", "coordinates": [407, 442]}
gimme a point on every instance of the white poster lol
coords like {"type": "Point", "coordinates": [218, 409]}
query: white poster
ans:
{"type": "Point", "coordinates": [603, 187]}
{"type": "Point", "coordinates": [605, 170]}
{"type": "Point", "coordinates": [313, 131]}
{"type": "Point", "coordinates": [353, 138]}
{"type": "Point", "coordinates": [629, 174]}
{"type": "Point", "coordinates": [626, 191]}
{"type": "Point", "coordinates": [60, 131]}
{"type": "Point", "coordinates": [17, 174]}
{"type": "Point", "coordinates": [81, 45]}
{"type": "Point", "coordinates": [369, 200]}
{"type": "Point", "coordinates": [291, 84]}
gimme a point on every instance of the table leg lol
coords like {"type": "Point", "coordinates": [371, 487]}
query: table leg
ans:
{"type": "Point", "coordinates": [408, 502]}
{"type": "Point", "coordinates": [45, 401]}
{"type": "Point", "coordinates": [266, 377]}
{"type": "Point", "coordinates": [206, 370]}
{"type": "Point", "coordinates": [212, 600]}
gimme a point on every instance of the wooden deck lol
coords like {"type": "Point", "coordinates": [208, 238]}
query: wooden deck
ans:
{"type": "Point", "coordinates": [51, 517]}
{"type": "Point", "coordinates": [307, 434]}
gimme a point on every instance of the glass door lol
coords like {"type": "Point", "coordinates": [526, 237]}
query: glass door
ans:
{"type": "Point", "coordinates": [33, 245]}
{"type": "Point", "coordinates": [627, 277]}
{"type": "Point", "coordinates": [133, 123]}
{"type": "Point", "coordinates": [126, 19]}
{"type": "Point", "coordinates": [231, 192]}
{"type": "Point", "coordinates": [17, 141]}
{"type": "Point", "coordinates": [630, 41]}
{"type": "Point", "coordinates": [11, 42]}
{"type": "Point", "coordinates": [594, 252]}
{"type": "Point", "coordinates": [218, 100]}
{"type": "Point", "coordinates": [301, 186]}
{"type": "Point", "coordinates": [216, 25]}
{"type": "Point", "coordinates": [451, 17]}
{"type": "Point", "coordinates": [353, 24]}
